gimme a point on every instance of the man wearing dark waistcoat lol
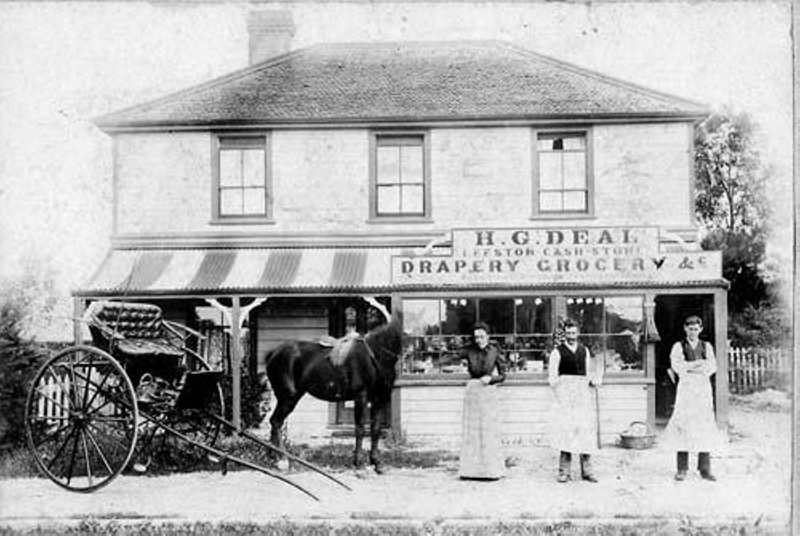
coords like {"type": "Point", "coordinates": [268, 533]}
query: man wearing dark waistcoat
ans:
{"type": "Point", "coordinates": [573, 374]}
{"type": "Point", "coordinates": [692, 426]}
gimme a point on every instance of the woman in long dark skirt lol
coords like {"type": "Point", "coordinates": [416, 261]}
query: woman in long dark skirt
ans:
{"type": "Point", "coordinates": [481, 449]}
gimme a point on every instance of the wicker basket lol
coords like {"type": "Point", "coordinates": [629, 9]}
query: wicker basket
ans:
{"type": "Point", "coordinates": [638, 436]}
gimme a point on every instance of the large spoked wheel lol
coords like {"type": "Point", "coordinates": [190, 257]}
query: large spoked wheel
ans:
{"type": "Point", "coordinates": [81, 418]}
{"type": "Point", "coordinates": [173, 453]}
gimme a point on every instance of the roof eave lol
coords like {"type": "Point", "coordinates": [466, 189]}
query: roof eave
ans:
{"type": "Point", "coordinates": [392, 289]}
{"type": "Point", "coordinates": [114, 127]}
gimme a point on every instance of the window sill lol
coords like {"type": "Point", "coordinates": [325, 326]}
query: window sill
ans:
{"type": "Point", "coordinates": [563, 216]}
{"type": "Point", "coordinates": [242, 221]}
{"type": "Point", "coordinates": [399, 219]}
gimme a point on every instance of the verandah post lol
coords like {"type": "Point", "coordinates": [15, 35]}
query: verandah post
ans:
{"type": "Point", "coordinates": [721, 339]}
{"type": "Point", "coordinates": [236, 363]}
{"type": "Point", "coordinates": [78, 308]}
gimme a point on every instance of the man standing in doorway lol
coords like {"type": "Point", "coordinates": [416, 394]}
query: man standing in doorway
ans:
{"type": "Point", "coordinates": [692, 427]}
{"type": "Point", "coordinates": [573, 374]}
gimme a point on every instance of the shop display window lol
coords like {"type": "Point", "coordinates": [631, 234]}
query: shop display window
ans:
{"type": "Point", "coordinates": [612, 328]}
{"type": "Point", "coordinates": [437, 329]}
{"type": "Point", "coordinates": [523, 327]}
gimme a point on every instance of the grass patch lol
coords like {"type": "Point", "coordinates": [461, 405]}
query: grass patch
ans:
{"type": "Point", "coordinates": [19, 462]}
{"type": "Point", "coordinates": [274, 528]}
{"type": "Point", "coordinates": [768, 400]}
{"type": "Point", "coordinates": [439, 527]}
{"type": "Point", "coordinates": [340, 456]}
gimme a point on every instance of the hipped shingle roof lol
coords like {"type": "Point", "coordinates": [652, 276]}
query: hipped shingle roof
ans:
{"type": "Point", "coordinates": [404, 82]}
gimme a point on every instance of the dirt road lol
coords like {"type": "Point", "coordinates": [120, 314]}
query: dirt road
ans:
{"type": "Point", "coordinates": [635, 487]}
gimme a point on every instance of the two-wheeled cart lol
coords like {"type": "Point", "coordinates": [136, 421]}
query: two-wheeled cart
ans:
{"type": "Point", "coordinates": [93, 410]}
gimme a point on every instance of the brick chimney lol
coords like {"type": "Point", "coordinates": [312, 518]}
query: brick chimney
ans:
{"type": "Point", "coordinates": [270, 34]}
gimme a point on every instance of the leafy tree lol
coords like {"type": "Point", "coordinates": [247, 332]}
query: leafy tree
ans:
{"type": "Point", "coordinates": [730, 179]}
{"type": "Point", "coordinates": [732, 206]}
{"type": "Point", "coordinates": [742, 265]}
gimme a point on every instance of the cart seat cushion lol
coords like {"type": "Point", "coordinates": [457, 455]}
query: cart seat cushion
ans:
{"type": "Point", "coordinates": [137, 329]}
{"type": "Point", "coordinates": [128, 320]}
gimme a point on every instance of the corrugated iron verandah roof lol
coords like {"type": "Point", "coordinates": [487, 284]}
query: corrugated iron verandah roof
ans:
{"type": "Point", "coordinates": [214, 271]}
{"type": "Point", "coordinates": [187, 272]}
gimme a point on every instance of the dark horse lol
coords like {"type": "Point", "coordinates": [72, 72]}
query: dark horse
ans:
{"type": "Point", "coordinates": [364, 373]}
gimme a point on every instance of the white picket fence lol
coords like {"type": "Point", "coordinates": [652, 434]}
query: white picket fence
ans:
{"type": "Point", "coordinates": [54, 403]}
{"type": "Point", "coordinates": [754, 369]}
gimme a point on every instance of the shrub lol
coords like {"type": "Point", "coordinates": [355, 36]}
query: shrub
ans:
{"type": "Point", "coordinates": [20, 358]}
{"type": "Point", "coordinates": [766, 325]}
{"type": "Point", "coordinates": [252, 409]}
{"type": "Point", "coordinates": [19, 362]}
{"type": "Point", "coordinates": [21, 300]}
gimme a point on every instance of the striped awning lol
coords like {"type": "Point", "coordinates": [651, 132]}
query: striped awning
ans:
{"type": "Point", "coordinates": [141, 272]}
{"type": "Point", "coordinates": [302, 270]}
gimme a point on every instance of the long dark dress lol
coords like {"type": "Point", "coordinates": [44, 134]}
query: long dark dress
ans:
{"type": "Point", "coordinates": [481, 448]}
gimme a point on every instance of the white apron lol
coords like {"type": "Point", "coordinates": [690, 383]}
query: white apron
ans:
{"type": "Point", "coordinates": [481, 447]}
{"type": "Point", "coordinates": [692, 427]}
{"type": "Point", "coordinates": [573, 421]}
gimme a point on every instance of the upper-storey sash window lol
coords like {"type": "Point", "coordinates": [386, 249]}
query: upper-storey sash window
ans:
{"type": "Point", "coordinates": [563, 178]}
{"type": "Point", "coordinates": [241, 182]}
{"type": "Point", "coordinates": [399, 182]}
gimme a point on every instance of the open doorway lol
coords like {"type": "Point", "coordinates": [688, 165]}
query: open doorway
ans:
{"type": "Point", "coordinates": [670, 312]}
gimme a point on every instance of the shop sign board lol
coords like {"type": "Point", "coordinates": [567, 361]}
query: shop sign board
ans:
{"type": "Point", "coordinates": [556, 255]}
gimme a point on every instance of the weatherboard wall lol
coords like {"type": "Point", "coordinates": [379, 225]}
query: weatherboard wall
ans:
{"type": "Point", "coordinates": [431, 414]}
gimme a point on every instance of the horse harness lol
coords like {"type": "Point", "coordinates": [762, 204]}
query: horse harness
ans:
{"type": "Point", "coordinates": [371, 354]}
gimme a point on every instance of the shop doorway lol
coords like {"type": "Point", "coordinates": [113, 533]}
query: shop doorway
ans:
{"type": "Point", "coordinates": [670, 312]}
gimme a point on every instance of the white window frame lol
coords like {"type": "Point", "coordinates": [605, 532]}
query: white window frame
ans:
{"type": "Point", "coordinates": [233, 141]}
{"type": "Point", "coordinates": [379, 138]}
{"type": "Point", "coordinates": [537, 212]}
